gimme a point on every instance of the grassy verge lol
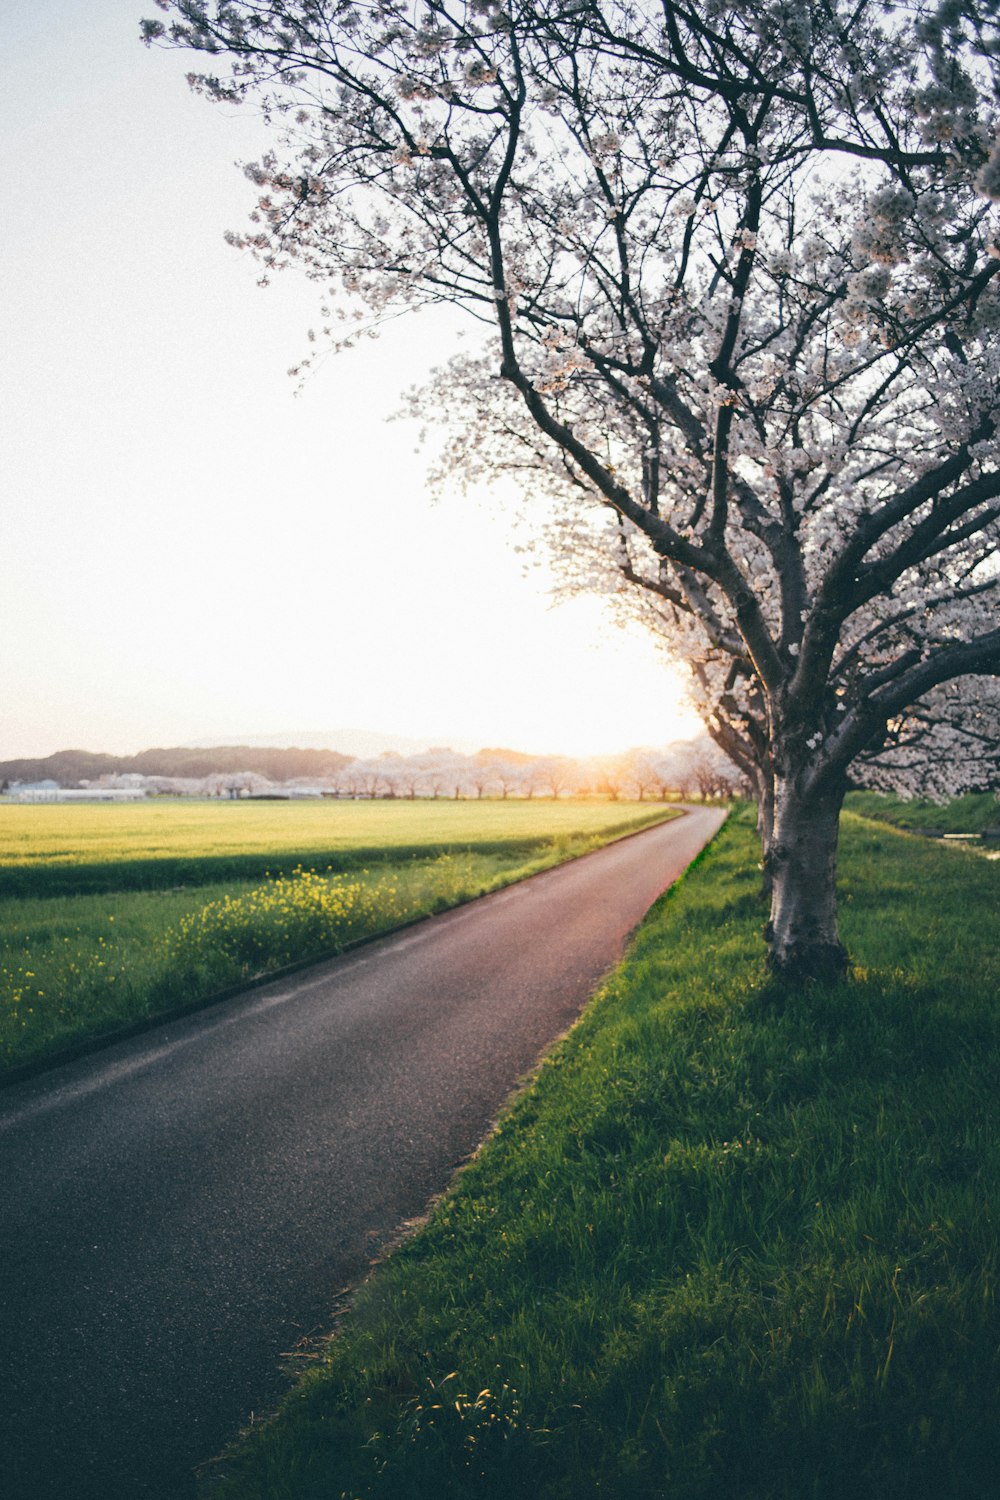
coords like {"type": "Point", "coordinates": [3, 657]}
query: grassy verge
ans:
{"type": "Point", "coordinates": [79, 967]}
{"type": "Point", "coordinates": [733, 1242]}
{"type": "Point", "coordinates": [971, 813]}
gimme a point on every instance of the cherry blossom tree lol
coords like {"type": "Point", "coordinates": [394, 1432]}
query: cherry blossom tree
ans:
{"type": "Point", "coordinates": [662, 776]}
{"type": "Point", "coordinates": [533, 778]}
{"type": "Point", "coordinates": [552, 774]}
{"type": "Point", "coordinates": [408, 777]}
{"type": "Point", "coordinates": [456, 769]}
{"type": "Point", "coordinates": [608, 775]}
{"type": "Point", "coordinates": [479, 776]}
{"type": "Point", "coordinates": [369, 778]}
{"type": "Point", "coordinates": [739, 267]}
{"type": "Point", "coordinates": [946, 744]}
{"type": "Point", "coordinates": [505, 774]}
{"type": "Point", "coordinates": [643, 774]}
{"type": "Point", "coordinates": [444, 771]}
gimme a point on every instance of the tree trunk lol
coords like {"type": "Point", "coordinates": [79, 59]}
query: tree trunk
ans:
{"type": "Point", "coordinates": [764, 788]}
{"type": "Point", "coordinates": [802, 933]}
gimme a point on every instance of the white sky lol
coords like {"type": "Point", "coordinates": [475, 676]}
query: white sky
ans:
{"type": "Point", "coordinates": [189, 549]}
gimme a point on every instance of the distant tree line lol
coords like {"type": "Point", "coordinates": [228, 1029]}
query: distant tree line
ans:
{"type": "Point", "coordinates": [71, 767]}
{"type": "Point", "coordinates": [687, 768]}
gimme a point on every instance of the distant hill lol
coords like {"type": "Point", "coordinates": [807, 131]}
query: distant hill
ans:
{"type": "Point", "coordinates": [70, 767]}
{"type": "Point", "coordinates": [512, 757]}
{"type": "Point", "coordinates": [359, 744]}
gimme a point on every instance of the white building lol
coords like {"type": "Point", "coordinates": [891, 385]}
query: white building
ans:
{"type": "Point", "coordinates": [51, 791]}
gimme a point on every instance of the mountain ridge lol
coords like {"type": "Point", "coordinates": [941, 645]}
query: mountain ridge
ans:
{"type": "Point", "coordinates": [277, 763]}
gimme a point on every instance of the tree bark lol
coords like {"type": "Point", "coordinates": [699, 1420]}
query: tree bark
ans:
{"type": "Point", "coordinates": [764, 788]}
{"type": "Point", "coordinates": [802, 933]}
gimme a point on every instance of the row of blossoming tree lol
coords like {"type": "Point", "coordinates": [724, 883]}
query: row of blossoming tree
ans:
{"type": "Point", "coordinates": [685, 769]}
{"type": "Point", "coordinates": [737, 267]}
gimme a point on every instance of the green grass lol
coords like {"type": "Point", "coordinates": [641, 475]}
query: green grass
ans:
{"type": "Point", "coordinates": [76, 967]}
{"type": "Point", "coordinates": [75, 849]}
{"type": "Point", "coordinates": [968, 814]}
{"type": "Point", "coordinates": [734, 1243]}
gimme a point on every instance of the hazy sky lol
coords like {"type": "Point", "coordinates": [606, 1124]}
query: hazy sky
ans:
{"type": "Point", "coordinates": [190, 549]}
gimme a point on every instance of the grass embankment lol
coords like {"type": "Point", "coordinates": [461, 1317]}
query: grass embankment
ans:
{"type": "Point", "coordinates": [733, 1242]}
{"type": "Point", "coordinates": [164, 932]}
{"type": "Point", "coordinates": [972, 813]}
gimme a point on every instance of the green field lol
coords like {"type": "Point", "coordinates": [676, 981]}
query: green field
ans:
{"type": "Point", "coordinates": [112, 915]}
{"type": "Point", "coordinates": [73, 848]}
{"type": "Point", "coordinates": [970, 814]}
{"type": "Point", "coordinates": [737, 1242]}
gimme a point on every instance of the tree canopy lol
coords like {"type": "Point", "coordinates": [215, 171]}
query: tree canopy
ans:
{"type": "Point", "coordinates": [739, 270]}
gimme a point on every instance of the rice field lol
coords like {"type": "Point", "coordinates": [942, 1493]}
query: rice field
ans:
{"type": "Point", "coordinates": [66, 848]}
{"type": "Point", "coordinates": [111, 916]}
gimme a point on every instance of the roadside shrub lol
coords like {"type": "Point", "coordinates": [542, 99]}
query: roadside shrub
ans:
{"type": "Point", "coordinates": [276, 923]}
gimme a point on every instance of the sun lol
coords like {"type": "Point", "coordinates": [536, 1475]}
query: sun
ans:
{"type": "Point", "coordinates": [595, 688]}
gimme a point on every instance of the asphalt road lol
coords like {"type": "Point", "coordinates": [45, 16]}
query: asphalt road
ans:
{"type": "Point", "coordinates": [180, 1209]}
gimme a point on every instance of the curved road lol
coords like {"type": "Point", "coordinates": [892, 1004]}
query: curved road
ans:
{"type": "Point", "coordinates": [180, 1209]}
